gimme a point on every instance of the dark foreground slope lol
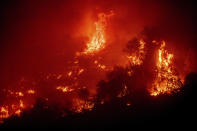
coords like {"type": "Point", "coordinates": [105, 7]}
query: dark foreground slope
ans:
{"type": "Point", "coordinates": [162, 112]}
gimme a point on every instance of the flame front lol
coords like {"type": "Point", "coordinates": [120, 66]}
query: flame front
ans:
{"type": "Point", "coordinates": [75, 78]}
{"type": "Point", "coordinates": [9, 110]}
{"type": "Point", "coordinates": [167, 79]}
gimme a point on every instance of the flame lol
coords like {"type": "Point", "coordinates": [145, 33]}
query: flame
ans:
{"type": "Point", "coordinates": [19, 94]}
{"type": "Point", "coordinates": [70, 73]}
{"type": "Point", "coordinates": [137, 57]}
{"type": "Point", "coordinates": [64, 88]}
{"type": "Point", "coordinates": [4, 113]}
{"type": "Point", "coordinates": [9, 110]}
{"type": "Point", "coordinates": [30, 91]}
{"type": "Point", "coordinates": [18, 112]}
{"type": "Point", "coordinates": [167, 80]}
{"type": "Point", "coordinates": [98, 39]}
{"type": "Point", "coordinates": [17, 105]}
{"type": "Point", "coordinates": [79, 105]}
{"type": "Point", "coordinates": [80, 71]}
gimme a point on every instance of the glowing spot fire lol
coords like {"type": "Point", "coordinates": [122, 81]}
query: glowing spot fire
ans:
{"type": "Point", "coordinates": [7, 111]}
{"type": "Point", "coordinates": [64, 88]}
{"type": "Point", "coordinates": [166, 78]}
{"type": "Point", "coordinates": [31, 91]}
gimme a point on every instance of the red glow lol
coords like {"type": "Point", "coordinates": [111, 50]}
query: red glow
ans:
{"type": "Point", "coordinates": [67, 69]}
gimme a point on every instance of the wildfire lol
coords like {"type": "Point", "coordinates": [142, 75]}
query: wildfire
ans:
{"type": "Point", "coordinates": [9, 110]}
{"type": "Point", "coordinates": [76, 74]}
{"type": "Point", "coordinates": [31, 91]}
{"type": "Point", "coordinates": [79, 105]}
{"type": "Point", "coordinates": [167, 79]}
{"type": "Point", "coordinates": [64, 89]}
{"type": "Point", "coordinates": [98, 39]}
{"type": "Point", "coordinates": [17, 105]}
{"type": "Point", "coordinates": [4, 113]}
{"type": "Point", "coordinates": [137, 57]}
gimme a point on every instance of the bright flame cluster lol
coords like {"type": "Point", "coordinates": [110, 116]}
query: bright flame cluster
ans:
{"type": "Point", "coordinates": [15, 108]}
{"type": "Point", "coordinates": [97, 41]}
{"type": "Point", "coordinates": [167, 80]}
{"type": "Point", "coordinates": [80, 105]}
{"type": "Point", "coordinates": [137, 57]}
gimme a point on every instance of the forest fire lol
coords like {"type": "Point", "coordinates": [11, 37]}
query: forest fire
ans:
{"type": "Point", "coordinates": [167, 79]}
{"type": "Point", "coordinates": [97, 42]}
{"type": "Point", "coordinates": [14, 109]}
{"type": "Point", "coordinates": [99, 58]}
{"type": "Point", "coordinates": [137, 56]}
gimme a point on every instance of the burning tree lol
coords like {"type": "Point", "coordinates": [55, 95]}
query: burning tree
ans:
{"type": "Point", "coordinates": [79, 86]}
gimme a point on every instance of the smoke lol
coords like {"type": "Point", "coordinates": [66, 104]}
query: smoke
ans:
{"type": "Point", "coordinates": [40, 42]}
{"type": "Point", "coordinates": [36, 33]}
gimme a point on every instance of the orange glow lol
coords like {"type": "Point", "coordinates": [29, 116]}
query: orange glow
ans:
{"type": "Point", "coordinates": [21, 104]}
{"type": "Point", "coordinates": [123, 92]}
{"type": "Point", "coordinates": [64, 88]}
{"type": "Point", "coordinates": [97, 41]}
{"type": "Point", "coordinates": [167, 80]}
{"type": "Point", "coordinates": [80, 76]}
{"type": "Point", "coordinates": [80, 105]}
{"type": "Point", "coordinates": [4, 113]}
{"type": "Point", "coordinates": [80, 71]}
{"type": "Point", "coordinates": [31, 91]}
{"type": "Point", "coordinates": [137, 57]}
{"type": "Point", "coordinates": [70, 73]}
{"type": "Point", "coordinates": [19, 94]}
{"type": "Point", "coordinates": [128, 104]}
{"type": "Point", "coordinates": [18, 112]}
{"type": "Point", "coordinates": [9, 110]}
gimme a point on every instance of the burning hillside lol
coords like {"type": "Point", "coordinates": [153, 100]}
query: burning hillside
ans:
{"type": "Point", "coordinates": [99, 56]}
